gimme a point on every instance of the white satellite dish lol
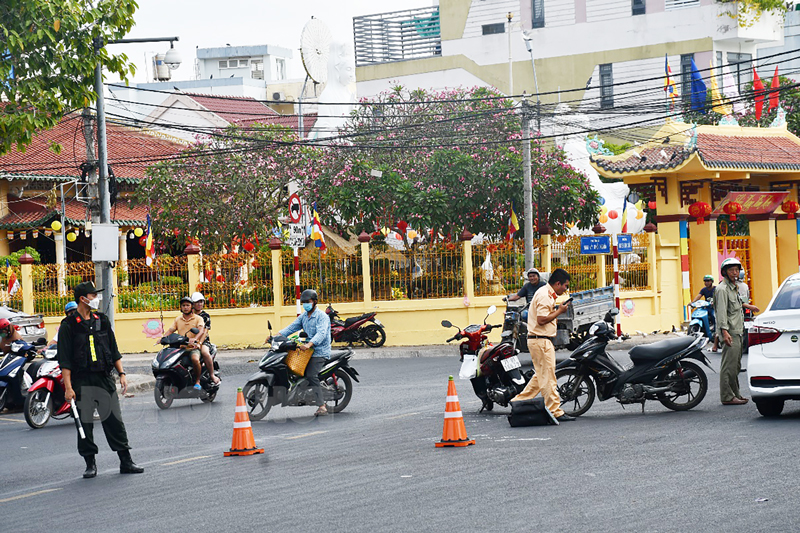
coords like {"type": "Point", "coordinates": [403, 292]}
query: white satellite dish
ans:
{"type": "Point", "coordinates": [315, 45]}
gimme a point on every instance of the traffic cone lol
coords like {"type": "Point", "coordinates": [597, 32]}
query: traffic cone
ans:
{"type": "Point", "coordinates": [243, 441]}
{"type": "Point", "coordinates": [454, 432]}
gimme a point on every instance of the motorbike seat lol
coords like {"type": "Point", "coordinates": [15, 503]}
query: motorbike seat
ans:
{"type": "Point", "coordinates": [659, 350]}
{"type": "Point", "coordinates": [336, 354]}
{"type": "Point", "coordinates": [350, 321]}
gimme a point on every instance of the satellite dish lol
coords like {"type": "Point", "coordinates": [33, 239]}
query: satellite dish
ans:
{"type": "Point", "coordinates": [315, 44]}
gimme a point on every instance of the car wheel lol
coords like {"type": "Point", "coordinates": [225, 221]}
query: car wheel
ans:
{"type": "Point", "coordinates": [770, 407]}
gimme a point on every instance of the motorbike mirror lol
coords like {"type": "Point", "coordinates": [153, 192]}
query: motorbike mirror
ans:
{"type": "Point", "coordinates": [614, 312]}
{"type": "Point", "coordinates": [195, 331]}
{"type": "Point", "coordinates": [303, 335]}
{"type": "Point", "coordinates": [447, 324]}
{"type": "Point", "coordinates": [41, 341]}
{"type": "Point", "coordinates": [269, 325]}
{"type": "Point", "coordinates": [492, 310]}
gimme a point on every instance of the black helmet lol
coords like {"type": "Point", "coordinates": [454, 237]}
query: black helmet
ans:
{"type": "Point", "coordinates": [308, 295]}
{"type": "Point", "coordinates": [185, 299]}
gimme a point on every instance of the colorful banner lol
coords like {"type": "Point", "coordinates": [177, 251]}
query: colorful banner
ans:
{"type": "Point", "coordinates": [753, 203]}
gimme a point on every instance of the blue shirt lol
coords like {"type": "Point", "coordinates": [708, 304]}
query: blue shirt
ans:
{"type": "Point", "coordinates": [318, 328]}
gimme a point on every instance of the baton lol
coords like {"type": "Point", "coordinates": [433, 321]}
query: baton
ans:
{"type": "Point", "coordinates": [78, 425]}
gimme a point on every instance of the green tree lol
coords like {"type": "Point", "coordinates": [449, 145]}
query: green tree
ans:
{"type": "Point", "coordinates": [47, 60]}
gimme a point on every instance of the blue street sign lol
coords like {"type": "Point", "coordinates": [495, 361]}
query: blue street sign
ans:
{"type": "Point", "coordinates": [625, 243]}
{"type": "Point", "coordinates": [595, 244]}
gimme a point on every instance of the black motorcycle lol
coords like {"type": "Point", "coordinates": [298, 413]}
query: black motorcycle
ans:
{"type": "Point", "coordinates": [275, 384]}
{"type": "Point", "coordinates": [514, 325]}
{"type": "Point", "coordinates": [660, 371]}
{"type": "Point", "coordinates": [172, 368]}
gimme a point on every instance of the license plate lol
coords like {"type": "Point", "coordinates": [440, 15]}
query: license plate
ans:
{"type": "Point", "coordinates": [510, 363]}
{"type": "Point", "coordinates": [30, 330]}
{"type": "Point", "coordinates": [377, 321]}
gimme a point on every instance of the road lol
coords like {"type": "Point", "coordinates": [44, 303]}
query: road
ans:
{"type": "Point", "coordinates": [374, 467]}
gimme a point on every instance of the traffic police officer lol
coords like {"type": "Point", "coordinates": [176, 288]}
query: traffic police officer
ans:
{"type": "Point", "coordinates": [87, 352]}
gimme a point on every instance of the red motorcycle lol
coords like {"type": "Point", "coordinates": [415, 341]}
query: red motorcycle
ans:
{"type": "Point", "coordinates": [365, 328]}
{"type": "Point", "coordinates": [497, 376]}
{"type": "Point", "coordinates": [45, 397]}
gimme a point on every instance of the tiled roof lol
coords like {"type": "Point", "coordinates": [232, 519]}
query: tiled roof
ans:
{"type": "Point", "coordinates": [656, 158]}
{"type": "Point", "coordinates": [245, 111]}
{"type": "Point", "coordinates": [130, 152]}
{"type": "Point", "coordinates": [32, 214]}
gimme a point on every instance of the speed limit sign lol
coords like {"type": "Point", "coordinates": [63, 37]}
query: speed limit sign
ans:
{"type": "Point", "coordinates": [295, 208]}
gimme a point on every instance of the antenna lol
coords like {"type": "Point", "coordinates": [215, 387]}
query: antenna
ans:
{"type": "Point", "coordinates": [315, 47]}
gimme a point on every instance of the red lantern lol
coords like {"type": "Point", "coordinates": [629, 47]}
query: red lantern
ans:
{"type": "Point", "coordinates": [612, 214]}
{"type": "Point", "coordinates": [731, 208]}
{"type": "Point", "coordinates": [651, 205]}
{"type": "Point", "coordinates": [142, 240]}
{"type": "Point", "coordinates": [699, 210]}
{"type": "Point", "coordinates": [249, 246]}
{"type": "Point", "coordinates": [790, 207]}
{"type": "Point", "coordinates": [402, 226]}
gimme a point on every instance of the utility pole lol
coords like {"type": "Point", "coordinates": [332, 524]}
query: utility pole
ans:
{"type": "Point", "coordinates": [527, 186]}
{"type": "Point", "coordinates": [510, 59]}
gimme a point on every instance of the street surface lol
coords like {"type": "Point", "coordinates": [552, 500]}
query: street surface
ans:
{"type": "Point", "coordinates": [374, 466]}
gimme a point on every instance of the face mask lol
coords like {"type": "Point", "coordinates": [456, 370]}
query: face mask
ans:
{"type": "Point", "coordinates": [308, 306]}
{"type": "Point", "coordinates": [95, 304]}
{"type": "Point", "coordinates": [3, 334]}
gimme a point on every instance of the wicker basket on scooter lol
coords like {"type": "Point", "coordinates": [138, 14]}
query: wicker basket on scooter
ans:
{"type": "Point", "coordinates": [297, 360]}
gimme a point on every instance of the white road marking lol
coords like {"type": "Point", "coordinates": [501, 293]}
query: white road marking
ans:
{"type": "Point", "coordinates": [21, 496]}
{"type": "Point", "coordinates": [306, 435]}
{"type": "Point", "coordinates": [186, 460]}
{"type": "Point", "coordinates": [3, 419]}
{"type": "Point", "coordinates": [401, 416]}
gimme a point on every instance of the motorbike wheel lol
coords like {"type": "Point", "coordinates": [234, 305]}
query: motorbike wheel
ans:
{"type": "Point", "coordinates": [576, 397]}
{"type": "Point", "coordinates": [210, 398]}
{"type": "Point", "coordinates": [162, 394]}
{"type": "Point", "coordinates": [37, 410]}
{"type": "Point", "coordinates": [694, 328]}
{"type": "Point", "coordinates": [686, 387]}
{"type": "Point", "coordinates": [256, 397]}
{"type": "Point", "coordinates": [343, 388]}
{"type": "Point", "coordinates": [373, 336]}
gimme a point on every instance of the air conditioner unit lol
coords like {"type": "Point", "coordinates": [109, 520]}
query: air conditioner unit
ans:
{"type": "Point", "coordinates": [278, 96]}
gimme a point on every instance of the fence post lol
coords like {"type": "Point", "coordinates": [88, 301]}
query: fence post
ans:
{"type": "Point", "coordinates": [115, 287]}
{"type": "Point", "coordinates": [123, 256]}
{"type": "Point", "coordinates": [547, 253]}
{"type": "Point", "coordinates": [277, 274]}
{"type": "Point", "coordinates": [651, 256]}
{"type": "Point", "coordinates": [366, 274]}
{"type": "Point", "coordinates": [26, 262]}
{"type": "Point", "coordinates": [469, 281]}
{"type": "Point", "coordinates": [192, 252]}
{"type": "Point", "coordinates": [61, 268]}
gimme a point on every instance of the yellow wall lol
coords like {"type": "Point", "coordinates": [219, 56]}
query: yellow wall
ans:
{"type": "Point", "coordinates": [787, 248]}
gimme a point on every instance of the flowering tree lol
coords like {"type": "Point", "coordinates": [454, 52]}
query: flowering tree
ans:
{"type": "Point", "coordinates": [448, 161]}
{"type": "Point", "coordinates": [228, 191]}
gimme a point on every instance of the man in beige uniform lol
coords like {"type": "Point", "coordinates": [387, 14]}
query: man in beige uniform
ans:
{"type": "Point", "coordinates": [542, 317]}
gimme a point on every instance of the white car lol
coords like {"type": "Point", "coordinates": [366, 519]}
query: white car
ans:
{"type": "Point", "coordinates": [773, 362]}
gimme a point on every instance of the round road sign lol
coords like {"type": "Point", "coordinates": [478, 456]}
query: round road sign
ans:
{"type": "Point", "coordinates": [295, 208]}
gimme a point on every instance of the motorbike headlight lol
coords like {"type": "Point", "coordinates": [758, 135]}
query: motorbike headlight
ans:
{"type": "Point", "coordinates": [154, 364]}
{"type": "Point", "coordinates": [593, 329]}
{"type": "Point", "coordinates": [50, 353]}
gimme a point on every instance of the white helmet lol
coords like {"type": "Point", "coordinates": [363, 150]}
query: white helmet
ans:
{"type": "Point", "coordinates": [532, 271]}
{"type": "Point", "coordinates": [729, 262]}
{"type": "Point", "coordinates": [198, 297]}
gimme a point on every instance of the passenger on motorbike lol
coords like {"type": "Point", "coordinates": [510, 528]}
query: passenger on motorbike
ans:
{"type": "Point", "coordinates": [707, 292]}
{"type": "Point", "coordinates": [8, 334]}
{"type": "Point", "coordinates": [198, 302]}
{"type": "Point", "coordinates": [182, 325]}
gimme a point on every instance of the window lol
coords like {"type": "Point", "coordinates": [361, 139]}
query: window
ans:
{"type": "Point", "coordinates": [257, 69]}
{"type": "Point", "coordinates": [280, 69]}
{"type": "Point", "coordinates": [538, 13]}
{"type": "Point", "coordinates": [606, 87]}
{"type": "Point", "coordinates": [491, 29]}
{"type": "Point", "coordinates": [638, 7]}
{"type": "Point", "coordinates": [742, 68]}
{"type": "Point", "coordinates": [679, 4]}
{"type": "Point", "coordinates": [686, 77]}
{"type": "Point", "coordinates": [234, 63]}
{"type": "Point", "coordinates": [223, 64]}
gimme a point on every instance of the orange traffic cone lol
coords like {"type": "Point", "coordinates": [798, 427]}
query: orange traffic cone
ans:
{"type": "Point", "coordinates": [454, 433]}
{"type": "Point", "coordinates": [243, 441]}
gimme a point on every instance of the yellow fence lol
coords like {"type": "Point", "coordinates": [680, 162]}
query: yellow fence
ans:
{"type": "Point", "coordinates": [337, 277]}
{"type": "Point", "coordinates": [430, 271]}
{"type": "Point", "coordinates": [633, 267]}
{"type": "Point", "coordinates": [499, 268]}
{"type": "Point", "coordinates": [141, 288]}
{"type": "Point", "coordinates": [235, 280]}
{"type": "Point", "coordinates": [738, 247]}
{"type": "Point", "coordinates": [566, 251]}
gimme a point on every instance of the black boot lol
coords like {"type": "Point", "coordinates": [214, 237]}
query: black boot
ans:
{"type": "Point", "coordinates": [126, 464]}
{"type": "Point", "coordinates": [91, 466]}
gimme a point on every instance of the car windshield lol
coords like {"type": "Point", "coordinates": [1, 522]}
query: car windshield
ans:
{"type": "Point", "coordinates": [788, 297]}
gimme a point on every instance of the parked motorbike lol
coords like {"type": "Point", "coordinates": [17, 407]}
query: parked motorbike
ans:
{"type": "Point", "coordinates": [660, 371]}
{"type": "Point", "coordinates": [14, 381]}
{"type": "Point", "coordinates": [365, 328]}
{"type": "Point", "coordinates": [45, 399]}
{"type": "Point", "coordinates": [498, 376]}
{"type": "Point", "coordinates": [702, 319]}
{"type": "Point", "coordinates": [274, 384]}
{"type": "Point", "coordinates": [514, 324]}
{"type": "Point", "coordinates": [172, 368]}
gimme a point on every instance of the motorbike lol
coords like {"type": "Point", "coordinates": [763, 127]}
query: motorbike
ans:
{"type": "Point", "coordinates": [274, 384]}
{"type": "Point", "coordinates": [499, 376]}
{"type": "Point", "coordinates": [45, 399]}
{"type": "Point", "coordinates": [515, 324]}
{"type": "Point", "coordinates": [660, 371]}
{"type": "Point", "coordinates": [172, 368]}
{"type": "Point", "coordinates": [702, 319]}
{"type": "Point", "coordinates": [365, 328]}
{"type": "Point", "coordinates": [14, 381]}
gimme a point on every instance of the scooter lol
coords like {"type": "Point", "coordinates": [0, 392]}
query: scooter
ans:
{"type": "Point", "coordinates": [356, 329]}
{"type": "Point", "coordinates": [14, 381]}
{"type": "Point", "coordinates": [45, 397]}
{"type": "Point", "coordinates": [702, 319]}
{"type": "Point", "coordinates": [498, 373]}
{"type": "Point", "coordinates": [660, 371]}
{"type": "Point", "coordinates": [274, 384]}
{"type": "Point", "coordinates": [172, 368]}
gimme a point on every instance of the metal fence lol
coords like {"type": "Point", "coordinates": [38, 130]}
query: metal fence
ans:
{"type": "Point", "coordinates": [397, 36]}
{"type": "Point", "coordinates": [337, 277]}
{"type": "Point", "coordinates": [49, 298]}
{"type": "Point", "coordinates": [499, 268]}
{"type": "Point", "coordinates": [634, 268]}
{"type": "Point", "coordinates": [142, 288]}
{"type": "Point", "coordinates": [738, 247]}
{"type": "Point", "coordinates": [429, 271]}
{"type": "Point", "coordinates": [236, 280]}
{"type": "Point", "coordinates": [566, 254]}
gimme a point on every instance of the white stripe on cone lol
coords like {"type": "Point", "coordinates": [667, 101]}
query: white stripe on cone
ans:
{"type": "Point", "coordinates": [241, 408]}
{"type": "Point", "coordinates": [453, 414]}
{"type": "Point", "coordinates": [452, 398]}
{"type": "Point", "coordinates": [240, 425]}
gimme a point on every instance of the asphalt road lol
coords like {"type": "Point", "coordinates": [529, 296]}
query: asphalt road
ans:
{"type": "Point", "coordinates": [374, 467]}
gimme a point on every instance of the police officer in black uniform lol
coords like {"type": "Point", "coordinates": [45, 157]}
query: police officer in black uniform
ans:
{"type": "Point", "coordinates": [87, 352]}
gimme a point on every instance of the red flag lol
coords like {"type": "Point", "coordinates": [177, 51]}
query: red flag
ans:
{"type": "Point", "coordinates": [758, 87]}
{"type": "Point", "coordinates": [774, 90]}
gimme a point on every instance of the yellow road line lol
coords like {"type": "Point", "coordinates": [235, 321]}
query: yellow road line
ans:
{"type": "Point", "coordinates": [306, 435]}
{"type": "Point", "coordinates": [3, 419]}
{"type": "Point", "coordinates": [21, 496]}
{"type": "Point", "coordinates": [186, 460]}
{"type": "Point", "coordinates": [401, 416]}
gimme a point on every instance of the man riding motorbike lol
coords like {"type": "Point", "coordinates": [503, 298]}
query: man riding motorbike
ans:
{"type": "Point", "coordinates": [528, 290]}
{"type": "Point", "coordinates": [182, 325]}
{"type": "Point", "coordinates": [198, 303]}
{"type": "Point", "coordinates": [8, 334]}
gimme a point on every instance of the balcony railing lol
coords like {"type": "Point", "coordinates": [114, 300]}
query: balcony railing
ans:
{"type": "Point", "coordinates": [397, 36]}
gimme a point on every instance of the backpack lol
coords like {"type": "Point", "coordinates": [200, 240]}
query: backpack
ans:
{"type": "Point", "coordinates": [530, 413]}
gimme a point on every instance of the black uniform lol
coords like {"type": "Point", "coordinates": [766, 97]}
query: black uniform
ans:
{"type": "Point", "coordinates": [89, 349]}
{"type": "Point", "coordinates": [206, 324]}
